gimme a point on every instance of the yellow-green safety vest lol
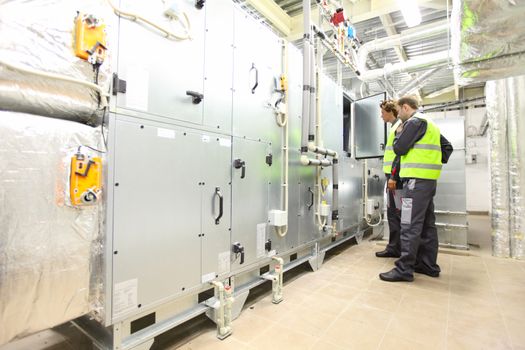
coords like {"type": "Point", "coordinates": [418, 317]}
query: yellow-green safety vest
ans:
{"type": "Point", "coordinates": [389, 156]}
{"type": "Point", "coordinates": [423, 160]}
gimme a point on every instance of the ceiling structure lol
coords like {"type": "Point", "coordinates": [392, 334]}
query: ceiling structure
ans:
{"type": "Point", "coordinates": [374, 19]}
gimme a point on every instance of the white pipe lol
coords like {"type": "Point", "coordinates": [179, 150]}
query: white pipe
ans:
{"type": "Point", "coordinates": [422, 62]}
{"type": "Point", "coordinates": [168, 34]}
{"type": "Point", "coordinates": [282, 231]}
{"type": "Point", "coordinates": [315, 162]}
{"type": "Point", "coordinates": [417, 81]}
{"type": "Point", "coordinates": [305, 120]}
{"type": "Point", "coordinates": [407, 36]}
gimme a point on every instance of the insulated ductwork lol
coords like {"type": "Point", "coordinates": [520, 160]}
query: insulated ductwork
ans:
{"type": "Point", "coordinates": [39, 72]}
{"type": "Point", "coordinates": [516, 148]}
{"type": "Point", "coordinates": [497, 116]}
{"type": "Point", "coordinates": [488, 39]}
{"type": "Point", "coordinates": [427, 61]}
{"type": "Point", "coordinates": [505, 110]}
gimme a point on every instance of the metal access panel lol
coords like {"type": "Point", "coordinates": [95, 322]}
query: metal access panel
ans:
{"type": "Point", "coordinates": [350, 193]}
{"type": "Point", "coordinates": [249, 199]}
{"type": "Point", "coordinates": [156, 214]}
{"type": "Point", "coordinates": [159, 71]}
{"type": "Point", "coordinates": [450, 200]}
{"type": "Point", "coordinates": [216, 188]}
{"type": "Point", "coordinates": [218, 65]}
{"type": "Point", "coordinates": [369, 128]}
{"type": "Point", "coordinates": [257, 60]}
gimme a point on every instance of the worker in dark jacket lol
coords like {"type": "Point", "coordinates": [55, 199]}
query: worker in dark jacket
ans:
{"type": "Point", "coordinates": [422, 150]}
{"type": "Point", "coordinates": [394, 185]}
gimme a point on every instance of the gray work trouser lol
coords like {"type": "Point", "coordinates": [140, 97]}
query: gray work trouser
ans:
{"type": "Point", "coordinates": [419, 240]}
{"type": "Point", "coordinates": [393, 213]}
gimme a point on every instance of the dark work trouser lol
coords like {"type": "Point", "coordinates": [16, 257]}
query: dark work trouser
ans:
{"type": "Point", "coordinates": [419, 240]}
{"type": "Point", "coordinates": [393, 213]}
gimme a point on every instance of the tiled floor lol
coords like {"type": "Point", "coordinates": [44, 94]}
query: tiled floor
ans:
{"type": "Point", "coordinates": [478, 302]}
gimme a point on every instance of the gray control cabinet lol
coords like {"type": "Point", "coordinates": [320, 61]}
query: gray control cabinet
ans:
{"type": "Point", "coordinates": [165, 206]}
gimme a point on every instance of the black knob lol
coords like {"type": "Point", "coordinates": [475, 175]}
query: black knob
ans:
{"type": "Point", "coordinates": [196, 97]}
{"type": "Point", "coordinates": [199, 4]}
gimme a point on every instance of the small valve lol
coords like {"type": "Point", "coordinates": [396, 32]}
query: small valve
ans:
{"type": "Point", "coordinates": [239, 249]}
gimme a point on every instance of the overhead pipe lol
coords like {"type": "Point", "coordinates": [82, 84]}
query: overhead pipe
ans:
{"type": "Point", "coordinates": [313, 101]}
{"type": "Point", "coordinates": [418, 80]}
{"type": "Point", "coordinates": [422, 32]}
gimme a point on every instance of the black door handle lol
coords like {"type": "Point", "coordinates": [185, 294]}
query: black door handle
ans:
{"type": "Point", "coordinates": [256, 77]}
{"type": "Point", "coordinates": [312, 203]}
{"type": "Point", "coordinates": [221, 205]}
{"type": "Point", "coordinates": [196, 97]}
{"type": "Point", "coordinates": [240, 164]}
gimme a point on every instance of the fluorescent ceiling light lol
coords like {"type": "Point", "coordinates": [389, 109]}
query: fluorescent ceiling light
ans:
{"type": "Point", "coordinates": [410, 12]}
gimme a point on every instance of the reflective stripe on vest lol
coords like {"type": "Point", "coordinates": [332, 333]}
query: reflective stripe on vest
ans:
{"type": "Point", "coordinates": [423, 160]}
{"type": "Point", "coordinates": [389, 155]}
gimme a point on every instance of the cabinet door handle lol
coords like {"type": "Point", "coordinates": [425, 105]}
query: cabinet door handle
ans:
{"type": "Point", "coordinates": [312, 198]}
{"type": "Point", "coordinates": [221, 205]}
{"type": "Point", "coordinates": [256, 77]}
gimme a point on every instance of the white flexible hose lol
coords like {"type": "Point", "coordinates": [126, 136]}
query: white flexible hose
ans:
{"type": "Point", "coordinates": [54, 76]}
{"type": "Point", "coordinates": [368, 222]}
{"type": "Point", "coordinates": [134, 17]}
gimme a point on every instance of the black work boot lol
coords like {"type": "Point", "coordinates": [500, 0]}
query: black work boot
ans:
{"type": "Point", "coordinates": [387, 254]}
{"type": "Point", "coordinates": [394, 276]}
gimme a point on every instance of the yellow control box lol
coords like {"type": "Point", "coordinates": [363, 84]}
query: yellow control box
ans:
{"type": "Point", "coordinates": [85, 179]}
{"type": "Point", "coordinates": [90, 39]}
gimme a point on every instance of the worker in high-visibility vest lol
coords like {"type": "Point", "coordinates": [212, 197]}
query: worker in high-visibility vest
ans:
{"type": "Point", "coordinates": [394, 185]}
{"type": "Point", "coordinates": [422, 150]}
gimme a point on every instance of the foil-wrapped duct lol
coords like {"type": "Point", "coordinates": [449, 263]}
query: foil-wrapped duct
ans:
{"type": "Point", "coordinates": [37, 35]}
{"type": "Point", "coordinates": [488, 39]}
{"type": "Point", "coordinates": [516, 148]}
{"type": "Point", "coordinates": [497, 116]}
{"type": "Point", "coordinates": [48, 250]}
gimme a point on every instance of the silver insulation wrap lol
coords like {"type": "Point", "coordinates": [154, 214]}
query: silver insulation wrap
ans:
{"type": "Point", "coordinates": [497, 116]}
{"type": "Point", "coordinates": [488, 39]}
{"type": "Point", "coordinates": [38, 35]}
{"type": "Point", "coordinates": [48, 250]}
{"type": "Point", "coordinates": [516, 148]}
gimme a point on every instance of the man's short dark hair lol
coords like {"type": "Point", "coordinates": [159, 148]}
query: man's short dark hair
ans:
{"type": "Point", "coordinates": [408, 100]}
{"type": "Point", "coordinates": [389, 106]}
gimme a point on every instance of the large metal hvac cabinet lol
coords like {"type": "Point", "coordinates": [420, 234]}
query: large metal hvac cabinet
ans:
{"type": "Point", "coordinates": [168, 234]}
{"type": "Point", "coordinates": [257, 59]}
{"type": "Point", "coordinates": [250, 184]}
{"type": "Point", "coordinates": [161, 74]}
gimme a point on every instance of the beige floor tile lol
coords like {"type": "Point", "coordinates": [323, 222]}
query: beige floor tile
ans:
{"type": "Point", "coordinates": [270, 311]}
{"type": "Point", "coordinates": [308, 321]}
{"type": "Point", "coordinates": [474, 306]}
{"type": "Point", "coordinates": [430, 284]}
{"type": "Point", "coordinates": [367, 315]}
{"type": "Point", "coordinates": [279, 337]}
{"type": "Point", "coordinates": [376, 285]}
{"type": "Point", "coordinates": [425, 331]}
{"type": "Point", "coordinates": [394, 342]}
{"type": "Point", "coordinates": [516, 328]}
{"type": "Point", "coordinates": [490, 326]}
{"type": "Point", "coordinates": [308, 282]}
{"type": "Point", "coordinates": [248, 326]}
{"type": "Point", "coordinates": [427, 296]}
{"type": "Point", "coordinates": [326, 304]}
{"type": "Point", "coordinates": [339, 291]}
{"type": "Point", "coordinates": [324, 345]}
{"type": "Point", "coordinates": [380, 301]}
{"type": "Point", "coordinates": [470, 340]}
{"type": "Point", "coordinates": [209, 341]}
{"type": "Point", "coordinates": [364, 272]}
{"type": "Point", "coordinates": [352, 281]}
{"type": "Point", "coordinates": [353, 335]}
{"type": "Point", "coordinates": [513, 308]}
{"type": "Point", "coordinates": [422, 308]}
{"type": "Point", "coordinates": [473, 291]}
{"type": "Point", "coordinates": [294, 296]}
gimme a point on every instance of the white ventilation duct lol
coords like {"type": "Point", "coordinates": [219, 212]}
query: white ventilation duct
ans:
{"type": "Point", "coordinates": [426, 61]}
